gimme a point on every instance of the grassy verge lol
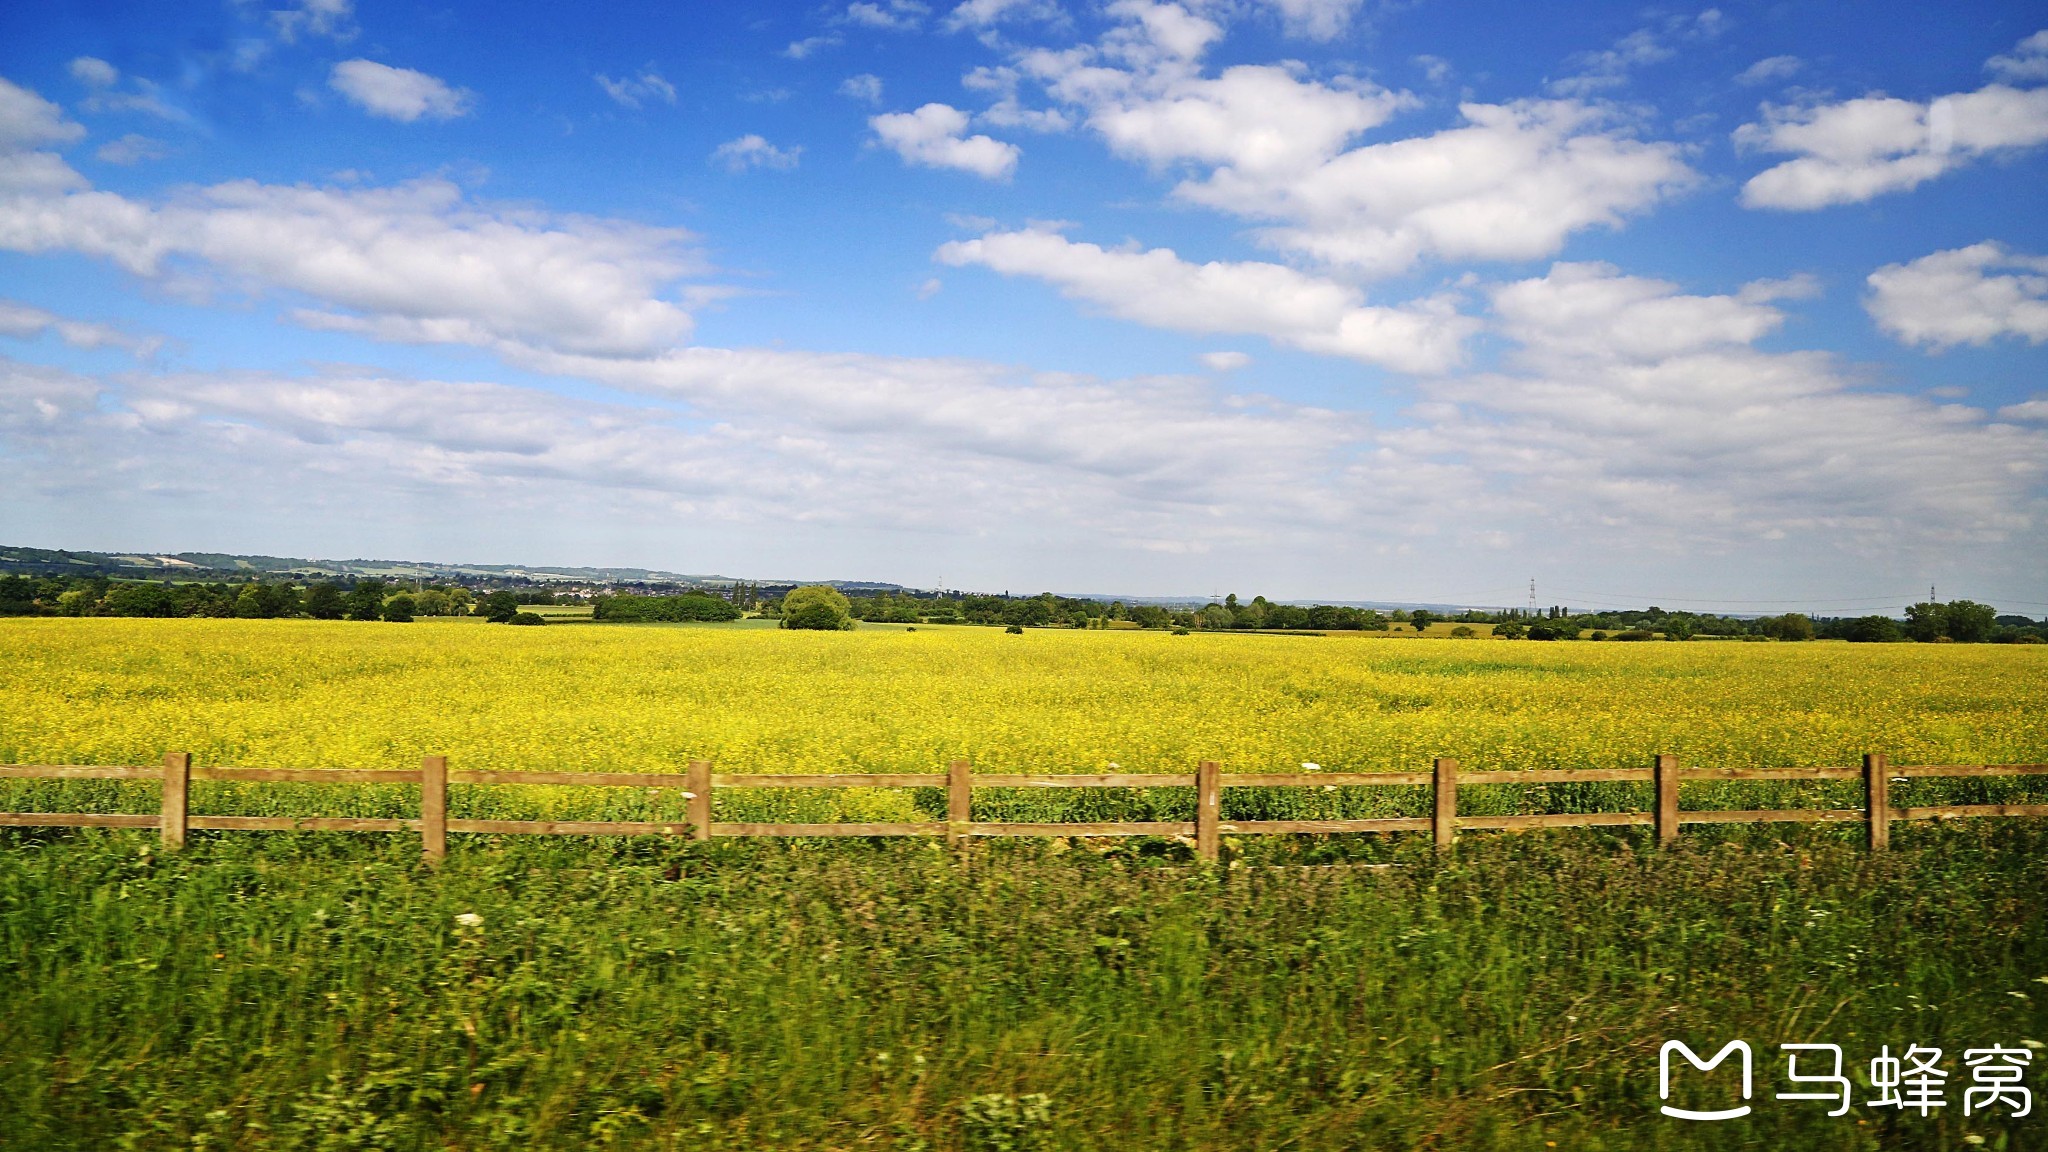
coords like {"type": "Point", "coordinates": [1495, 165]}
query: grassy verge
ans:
{"type": "Point", "coordinates": [322, 992]}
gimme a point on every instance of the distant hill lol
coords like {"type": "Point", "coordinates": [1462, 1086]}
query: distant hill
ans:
{"type": "Point", "coordinates": [216, 566]}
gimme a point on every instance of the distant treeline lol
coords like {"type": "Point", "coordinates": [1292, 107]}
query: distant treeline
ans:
{"type": "Point", "coordinates": [643, 609]}
{"type": "Point", "coordinates": [1957, 621]}
{"type": "Point", "coordinates": [259, 599]}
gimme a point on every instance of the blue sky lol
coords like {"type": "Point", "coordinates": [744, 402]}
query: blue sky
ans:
{"type": "Point", "coordinates": [1739, 306]}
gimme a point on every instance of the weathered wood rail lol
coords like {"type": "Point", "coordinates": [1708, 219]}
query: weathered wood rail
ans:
{"type": "Point", "coordinates": [698, 782]}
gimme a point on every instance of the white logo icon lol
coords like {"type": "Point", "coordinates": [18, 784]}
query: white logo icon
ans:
{"type": "Point", "coordinates": [1664, 1078]}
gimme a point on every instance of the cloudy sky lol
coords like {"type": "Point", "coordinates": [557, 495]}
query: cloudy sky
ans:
{"type": "Point", "coordinates": [1739, 306]}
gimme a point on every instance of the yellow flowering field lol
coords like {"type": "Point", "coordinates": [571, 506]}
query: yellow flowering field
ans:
{"type": "Point", "coordinates": [647, 698]}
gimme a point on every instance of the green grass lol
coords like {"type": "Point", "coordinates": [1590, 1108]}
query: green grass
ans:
{"type": "Point", "coordinates": [320, 992]}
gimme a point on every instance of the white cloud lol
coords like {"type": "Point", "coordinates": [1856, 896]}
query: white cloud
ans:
{"type": "Point", "coordinates": [989, 13]}
{"type": "Point", "coordinates": [1225, 361]}
{"type": "Point", "coordinates": [809, 46]}
{"type": "Point", "coordinates": [134, 148]}
{"type": "Point", "coordinates": [1857, 150]}
{"type": "Point", "coordinates": [334, 19]}
{"type": "Point", "coordinates": [1953, 297]}
{"type": "Point", "coordinates": [2032, 411]}
{"type": "Point", "coordinates": [24, 322]}
{"type": "Point", "coordinates": [1609, 68]}
{"type": "Point", "coordinates": [400, 94]}
{"type": "Point", "coordinates": [27, 120]}
{"type": "Point", "coordinates": [416, 262]}
{"type": "Point", "coordinates": [1513, 183]}
{"type": "Point", "coordinates": [1317, 19]}
{"type": "Point", "coordinates": [2028, 61]}
{"type": "Point", "coordinates": [1271, 144]}
{"type": "Point", "coordinates": [1009, 111]}
{"type": "Point", "coordinates": [752, 151]}
{"type": "Point", "coordinates": [866, 87]}
{"type": "Point", "coordinates": [634, 91]}
{"type": "Point", "coordinates": [1158, 288]}
{"type": "Point", "coordinates": [892, 15]}
{"type": "Point", "coordinates": [94, 72]}
{"type": "Point", "coordinates": [1435, 69]}
{"type": "Point", "coordinates": [1634, 405]}
{"type": "Point", "coordinates": [1769, 70]}
{"type": "Point", "coordinates": [934, 137]}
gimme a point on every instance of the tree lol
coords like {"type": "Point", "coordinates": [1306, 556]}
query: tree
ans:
{"type": "Point", "coordinates": [366, 600]}
{"type": "Point", "coordinates": [1926, 621]}
{"type": "Point", "coordinates": [527, 618]}
{"type": "Point", "coordinates": [1512, 630]}
{"type": "Point", "coordinates": [1873, 630]}
{"type": "Point", "coordinates": [817, 608]}
{"type": "Point", "coordinates": [1790, 626]}
{"type": "Point", "coordinates": [140, 600]}
{"type": "Point", "coordinates": [1421, 618]}
{"type": "Point", "coordinates": [399, 609]}
{"type": "Point", "coordinates": [499, 607]}
{"type": "Point", "coordinates": [324, 601]}
{"type": "Point", "coordinates": [1970, 622]}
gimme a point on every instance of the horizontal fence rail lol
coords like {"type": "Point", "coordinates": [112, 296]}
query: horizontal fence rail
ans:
{"type": "Point", "coordinates": [698, 782]}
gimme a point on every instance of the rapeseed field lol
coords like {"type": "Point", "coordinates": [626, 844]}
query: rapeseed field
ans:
{"type": "Point", "coordinates": [327, 992]}
{"type": "Point", "coordinates": [288, 693]}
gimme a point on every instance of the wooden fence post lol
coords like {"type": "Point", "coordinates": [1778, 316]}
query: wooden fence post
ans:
{"type": "Point", "coordinates": [1877, 799]}
{"type": "Point", "coordinates": [1446, 823]}
{"type": "Point", "coordinates": [1667, 799]}
{"type": "Point", "coordinates": [1208, 810]}
{"type": "Point", "coordinates": [959, 802]}
{"type": "Point", "coordinates": [698, 784]}
{"type": "Point", "coordinates": [434, 810]}
{"type": "Point", "coordinates": [177, 787]}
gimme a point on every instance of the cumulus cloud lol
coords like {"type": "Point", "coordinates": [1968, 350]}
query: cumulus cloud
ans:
{"type": "Point", "coordinates": [2027, 62]}
{"type": "Point", "coordinates": [1856, 150]}
{"type": "Point", "coordinates": [752, 151]}
{"type": "Point", "coordinates": [400, 94]}
{"type": "Point", "coordinates": [633, 92]}
{"type": "Point", "coordinates": [1629, 402]}
{"type": "Point", "coordinates": [934, 136]}
{"type": "Point", "coordinates": [1967, 295]}
{"type": "Point", "coordinates": [866, 87]}
{"type": "Point", "coordinates": [1513, 183]}
{"type": "Point", "coordinates": [1769, 70]}
{"type": "Point", "coordinates": [1271, 144]}
{"type": "Point", "coordinates": [809, 46]}
{"type": "Point", "coordinates": [27, 120]}
{"type": "Point", "coordinates": [1158, 288]}
{"type": "Point", "coordinates": [25, 322]}
{"type": "Point", "coordinates": [94, 72]}
{"type": "Point", "coordinates": [1224, 361]}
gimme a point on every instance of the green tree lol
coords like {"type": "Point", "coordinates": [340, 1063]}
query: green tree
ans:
{"type": "Point", "coordinates": [324, 601]}
{"type": "Point", "coordinates": [1790, 626]}
{"type": "Point", "coordinates": [134, 599]}
{"type": "Point", "coordinates": [499, 607]}
{"type": "Point", "coordinates": [1970, 622]}
{"type": "Point", "coordinates": [1421, 618]}
{"type": "Point", "coordinates": [399, 609]}
{"type": "Point", "coordinates": [817, 608]}
{"type": "Point", "coordinates": [1926, 621]}
{"type": "Point", "coordinates": [366, 600]}
{"type": "Point", "coordinates": [1873, 630]}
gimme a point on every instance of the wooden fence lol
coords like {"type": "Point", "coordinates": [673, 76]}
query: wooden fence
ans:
{"type": "Point", "coordinates": [697, 784]}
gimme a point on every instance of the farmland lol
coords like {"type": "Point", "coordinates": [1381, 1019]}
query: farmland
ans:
{"type": "Point", "coordinates": [324, 991]}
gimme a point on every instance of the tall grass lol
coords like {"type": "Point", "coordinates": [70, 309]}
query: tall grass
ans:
{"type": "Point", "coordinates": [323, 992]}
